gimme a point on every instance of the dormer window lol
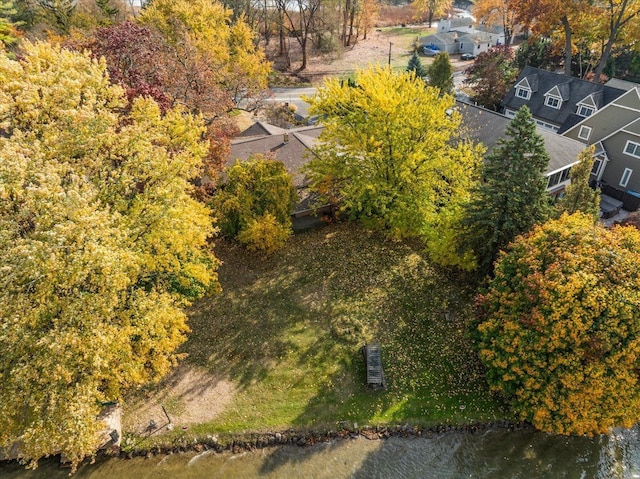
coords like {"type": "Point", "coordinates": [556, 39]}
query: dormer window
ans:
{"type": "Point", "coordinates": [523, 93]}
{"type": "Point", "coordinates": [585, 111]}
{"type": "Point", "coordinates": [553, 102]}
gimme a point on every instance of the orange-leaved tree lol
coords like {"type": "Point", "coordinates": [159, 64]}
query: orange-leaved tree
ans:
{"type": "Point", "coordinates": [560, 329]}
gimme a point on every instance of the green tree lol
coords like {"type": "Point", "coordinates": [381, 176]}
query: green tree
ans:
{"type": "Point", "coordinates": [579, 196]}
{"type": "Point", "coordinates": [60, 13]}
{"type": "Point", "coordinates": [560, 329]}
{"type": "Point", "coordinates": [102, 246]}
{"type": "Point", "coordinates": [512, 196]}
{"type": "Point", "coordinates": [255, 203]}
{"type": "Point", "coordinates": [386, 155]}
{"type": "Point", "coordinates": [440, 74]}
{"type": "Point", "coordinates": [8, 28]}
{"type": "Point", "coordinates": [491, 76]}
{"type": "Point", "coordinates": [535, 51]}
{"type": "Point", "coordinates": [415, 65]}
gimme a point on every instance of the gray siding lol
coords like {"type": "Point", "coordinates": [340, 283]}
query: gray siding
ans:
{"type": "Point", "coordinates": [618, 161]}
{"type": "Point", "coordinates": [604, 123]}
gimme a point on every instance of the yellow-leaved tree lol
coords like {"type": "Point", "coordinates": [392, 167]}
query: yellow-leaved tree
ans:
{"type": "Point", "coordinates": [390, 157]}
{"type": "Point", "coordinates": [214, 60]}
{"type": "Point", "coordinates": [560, 329]}
{"type": "Point", "coordinates": [101, 244]}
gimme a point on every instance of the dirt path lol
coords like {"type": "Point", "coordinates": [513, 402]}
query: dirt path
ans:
{"type": "Point", "coordinates": [190, 395]}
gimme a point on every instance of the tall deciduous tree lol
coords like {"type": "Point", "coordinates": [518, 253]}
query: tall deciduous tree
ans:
{"type": "Point", "coordinates": [102, 246]}
{"type": "Point", "coordinates": [497, 12]}
{"type": "Point", "coordinates": [440, 74]}
{"type": "Point", "coordinates": [512, 196]}
{"type": "Point", "coordinates": [560, 330]}
{"type": "Point", "coordinates": [210, 54]}
{"type": "Point", "coordinates": [616, 16]}
{"type": "Point", "coordinates": [579, 196]}
{"type": "Point", "coordinates": [136, 59]}
{"type": "Point", "coordinates": [544, 16]}
{"type": "Point", "coordinates": [297, 19]}
{"type": "Point", "coordinates": [385, 154]}
{"type": "Point", "coordinates": [491, 76]}
{"type": "Point", "coordinates": [434, 8]}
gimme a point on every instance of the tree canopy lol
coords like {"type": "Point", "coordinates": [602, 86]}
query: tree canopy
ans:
{"type": "Point", "coordinates": [255, 203]}
{"type": "Point", "coordinates": [415, 65]}
{"type": "Point", "coordinates": [102, 246]}
{"type": "Point", "coordinates": [491, 76]}
{"type": "Point", "coordinates": [440, 74]}
{"type": "Point", "coordinates": [512, 196]}
{"type": "Point", "coordinates": [579, 196]}
{"type": "Point", "coordinates": [560, 330]}
{"type": "Point", "coordinates": [386, 153]}
{"type": "Point", "coordinates": [211, 55]}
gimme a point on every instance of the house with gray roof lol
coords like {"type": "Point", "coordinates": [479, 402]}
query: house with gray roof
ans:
{"type": "Point", "coordinates": [487, 127]}
{"type": "Point", "coordinates": [614, 131]}
{"type": "Point", "coordinates": [292, 147]}
{"type": "Point", "coordinates": [445, 42]}
{"type": "Point", "coordinates": [475, 42]}
{"type": "Point", "coordinates": [557, 102]}
{"type": "Point", "coordinates": [457, 24]}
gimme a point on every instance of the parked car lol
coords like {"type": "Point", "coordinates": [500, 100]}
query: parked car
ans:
{"type": "Point", "coordinates": [430, 52]}
{"type": "Point", "coordinates": [467, 56]}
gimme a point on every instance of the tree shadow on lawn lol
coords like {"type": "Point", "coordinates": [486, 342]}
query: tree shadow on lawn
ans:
{"type": "Point", "coordinates": [422, 318]}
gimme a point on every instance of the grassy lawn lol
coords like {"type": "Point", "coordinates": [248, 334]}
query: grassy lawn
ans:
{"type": "Point", "coordinates": [287, 331]}
{"type": "Point", "coordinates": [404, 39]}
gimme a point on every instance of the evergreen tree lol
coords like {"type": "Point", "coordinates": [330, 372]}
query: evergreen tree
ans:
{"type": "Point", "coordinates": [59, 12]}
{"type": "Point", "coordinates": [579, 196]}
{"type": "Point", "coordinates": [8, 32]}
{"type": "Point", "coordinates": [107, 9]}
{"type": "Point", "coordinates": [440, 74]}
{"type": "Point", "coordinates": [415, 65]}
{"type": "Point", "coordinates": [512, 196]}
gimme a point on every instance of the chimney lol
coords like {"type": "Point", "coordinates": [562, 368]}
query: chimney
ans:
{"type": "Point", "coordinates": [285, 138]}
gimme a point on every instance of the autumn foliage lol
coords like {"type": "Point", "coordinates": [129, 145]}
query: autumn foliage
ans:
{"type": "Point", "coordinates": [560, 334]}
{"type": "Point", "coordinates": [102, 246]}
{"type": "Point", "coordinates": [255, 203]}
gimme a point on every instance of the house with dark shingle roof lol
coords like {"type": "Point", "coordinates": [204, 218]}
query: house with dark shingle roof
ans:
{"type": "Point", "coordinates": [487, 127]}
{"type": "Point", "coordinates": [293, 147]}
{"type": "Point", "coordinates": [557, 102]}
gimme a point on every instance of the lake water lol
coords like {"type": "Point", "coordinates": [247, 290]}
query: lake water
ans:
{"type": "Point", "coordinates": [491, 454]}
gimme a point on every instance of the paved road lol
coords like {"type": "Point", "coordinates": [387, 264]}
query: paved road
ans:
{"type": "Point", "coordinates": [292, 96]}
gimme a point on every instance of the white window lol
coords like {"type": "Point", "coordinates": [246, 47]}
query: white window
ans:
{"type": "Point", "coordinates": [632, 149]}
{"type": "Point", "coordinates": [625, 177]}
{"type": "Point", "coordinates": [559, 177]}
{"type": "Point", "coordinates": [523, 93]}
{"type": "Point", "coordinates": [553, 102]}
{"type": "Point", "coordinates": [585, 111]}
{"type": "Point", "coordinates": [597, 164]}
{"type": "Point", "coordinates": [584, 133]}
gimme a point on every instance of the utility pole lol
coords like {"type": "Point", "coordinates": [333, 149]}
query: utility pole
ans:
{"type": "Point", "coordinates": [390, 53]}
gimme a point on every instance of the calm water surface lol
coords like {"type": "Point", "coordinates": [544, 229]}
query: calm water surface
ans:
{"type": "Point", "coordinates": [493, 454]}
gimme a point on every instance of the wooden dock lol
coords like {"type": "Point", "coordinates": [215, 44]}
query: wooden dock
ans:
{"type": "Point", "coordinates": [372, 353]}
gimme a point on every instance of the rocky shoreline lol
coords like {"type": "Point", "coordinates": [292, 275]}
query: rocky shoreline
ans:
{"type": "Point", "coordinates": [248, 442]}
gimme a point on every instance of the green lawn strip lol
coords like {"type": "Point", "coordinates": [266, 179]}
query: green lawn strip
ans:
{"type": "Point", "coordinates": [287, 331]}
